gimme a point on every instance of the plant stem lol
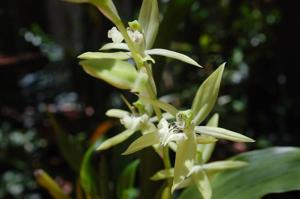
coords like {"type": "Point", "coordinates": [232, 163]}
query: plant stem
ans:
{"type": "Point", "coordinates": [167, 164]}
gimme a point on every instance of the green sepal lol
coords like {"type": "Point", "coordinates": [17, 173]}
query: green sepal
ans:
{"type": "Point", "coordinates": [142, 142]}
{"type": "Point", "coordinates": [149, 21]}
{"type": "Point", "coordinates": [221, 133]}
{"type": "Point", "coordinates": [117, 139]}
{"type": "Point", "coordinates": [206, 96]}
{"type": "Point", "coordinates": [172, 54]}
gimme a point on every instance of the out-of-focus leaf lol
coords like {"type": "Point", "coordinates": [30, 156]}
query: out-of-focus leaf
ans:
{"type": "Point", "coordinates": [208, 149]}
{"type": "Point", "coordinates": [206, 96]}
{"type": "Point", "coordinates": [48, 183]}
{"type": "Point", "coordinates": [117, 139]}
{"type": "Point", "coordinates": [101, 55]}
{"type": "Point", "coordinates": [149, 20]}
{"type": "Point", "coordinates": [221, 133]}
{"type": "Point", "coordinates": [87, 173]}
{"type": "Point", "coordinates": [114, 46]}
{"type": "Point", "coordinates": [162, 105]}
{"type": "Point", "coordinates": [69, 147]}
{"type": "Point", "coordinates": [142, 142]}
{"type": "Point", "coordinates": [118, 73]}
{"type": "Point", "coordinates": [172, 54]}
{"type": "Point", "coordinates": [125, 185]}
{"type": "Point", "coordinates": [271, 170]}
{"type": "Point", "coordinates": [79, 193]}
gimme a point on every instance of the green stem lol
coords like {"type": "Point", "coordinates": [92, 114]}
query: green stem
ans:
{"type": "Point", "coordinates": [167, 164]}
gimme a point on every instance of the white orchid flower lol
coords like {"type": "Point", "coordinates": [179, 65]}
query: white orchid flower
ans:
{"type": "Point", "coordinates": [115, 35]}
{"type": "Point", "coordinates": [135, 35]}
{"type": "Point", "coordinates": [169, 132]}
{"type": "Point", "coordinates": [131, 122]}
{"type": "Point", "coordinates": [165, 134]}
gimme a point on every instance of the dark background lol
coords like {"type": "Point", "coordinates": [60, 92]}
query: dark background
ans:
{"type": "Point", "coordinates": [40, 40]}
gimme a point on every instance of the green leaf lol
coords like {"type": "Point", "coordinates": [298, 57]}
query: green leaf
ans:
{"type": "Point", "coordinates": [117, 139]}
{"type": "Point", "coordinates": [206, 96]}
{"type": "Point", "coordinates": [69, 147]}
{"type": "Point", "coordinates": [50, 184]}
{"type": "Point", "coordinates": [172, 54]}
{"type": "Point", "coordinates": [221, 133]}
{"type": "Point", "coordinates": [87, 172]}
{"type": "Point", "coordinates": [149, 20]}
{"type": "Point", "coordinates": [142, 142]}
{"type": "Point", "coordinates": [114, 46]}
{"type": "Point", "coordinates": [118, 73]}
{"type": "Point", "coordinates": [125, 185]}
{"type": "Point", "coordinates": [271, 170]}
{"type": "Point", "coordinates": [101, 55]}
{"type": "Point", "coordinates": [208, 149]}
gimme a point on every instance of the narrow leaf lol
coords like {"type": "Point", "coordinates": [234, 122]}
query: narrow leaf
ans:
{"type": "Point", "coordinates": [172, 54]}
{"type": "Point", "coordinates": [48, 183]}
{"type": "Point", "coordinates": [149, 20]}
{"type": "Point", "coordinates": [206, 96]}
{"type": "Point", "coordinates": [69, 147]}
{"type": "Point", "coordinates": [118, 73]}
{"type": "Point", "coordinates": [222, 134]}
{"type": "Point", "coordinates": [117, 139]}
{"type": "Point", "coordinates": [114, 46]}
{"type": "Point", "coordinates": [101, 55]}
{"type": "Point", "coordinates": [88, 179]}
{"type": "Point", "coordinates": [142, 142]}
{"type": "Point", "coordinates": [125, 185]}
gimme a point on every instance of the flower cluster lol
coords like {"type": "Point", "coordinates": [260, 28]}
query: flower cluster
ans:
{"type": "Point", "coordinates": [128, 65]}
